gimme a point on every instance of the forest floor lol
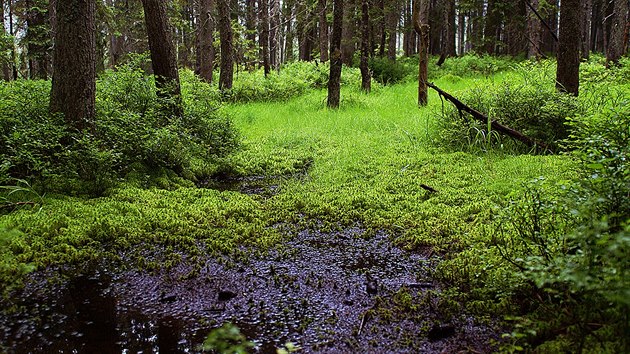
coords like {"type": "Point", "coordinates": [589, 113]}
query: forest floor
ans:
{"type": "Point", "coordinates": [322, 235]}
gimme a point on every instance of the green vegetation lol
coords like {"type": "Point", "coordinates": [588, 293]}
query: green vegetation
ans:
{"type": "Point", "coordinates": [523, 236]}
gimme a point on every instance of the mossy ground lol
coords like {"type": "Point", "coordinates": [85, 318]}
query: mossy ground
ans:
{"type": "Point", "coordinates": [366, 164]}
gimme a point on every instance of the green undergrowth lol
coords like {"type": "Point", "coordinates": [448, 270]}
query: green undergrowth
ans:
{"type": "Point", "coordinates": [377, 161]}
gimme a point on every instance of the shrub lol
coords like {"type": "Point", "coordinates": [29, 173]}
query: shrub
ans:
{"type": "Point", "coordinates": [470, 65]}
{"type": "Point", "coordinates": [130, 133]}
{"type": "Point", "coordinates": [534, 108]}
{"type": "Point", "coordinates": [388, 72]}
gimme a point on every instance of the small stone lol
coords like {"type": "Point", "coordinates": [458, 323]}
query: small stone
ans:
{"type": "Point", "coordinates": [226, 295]}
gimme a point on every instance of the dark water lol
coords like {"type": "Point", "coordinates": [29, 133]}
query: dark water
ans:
{"type": "Point", "coordinates": [326, 292]}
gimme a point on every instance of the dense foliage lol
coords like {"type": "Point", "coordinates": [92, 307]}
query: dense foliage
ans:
{"type": "Point", "coordinates": [130, 134]}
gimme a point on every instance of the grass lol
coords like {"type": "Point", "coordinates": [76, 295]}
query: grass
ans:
{"type": "Point", "coordinates": [367, 163]}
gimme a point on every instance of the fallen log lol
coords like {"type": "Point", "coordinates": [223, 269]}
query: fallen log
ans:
{"type": "Point", "coordinates": [462, 107]}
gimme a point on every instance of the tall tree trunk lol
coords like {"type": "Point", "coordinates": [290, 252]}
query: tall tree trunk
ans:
{"type": "Point", "coordinates": [334, 79]}
{"type": "Point", "coordinates": [450, 33]}
{"type": "Point", "coordinates": [567, 74]}
{"type": "Point", "coordinates": [392, 28]}
{"type": "Point", "coordinates": [420, 22]}
{"type": "Point", "coordinates": [366, 80]}
{"type": "Point", "coordinates": [251, 30]}
{"type": "Point", "coordinates": [74, 72]}
{"type": "Point", "coordinates": [516, 29]}
{"type": "Point", "coordinates": [205, 40]}
{"type": "Point", "coordinates": [6, 72]}
{"type": "Point", "coordinates": [263, 21]}
{"type": "Point", "coordinates": [37, 38]}
{"type": "Point", "coordinates": [323, 30]}
{"type": "Point", "coordinates": [289, 36]}
{"type": "Point", "coordinates": [616, 44]}
{"type": "Point", "coordinates": [461, 32]}
{"type": "Point", "coordinates": [585, 30]}
{"type": "Point", "coordinates": [274, 25]}
{"type": "Point", "coordinates": [14, 57]}
{"type": "Point", "coordinates": [493, 22]}
{"type": "Point", "coordinates": [226, 75]}
{"type": "Point", "coordinates": [348, 40]}
{"type": "Point", "coordinates": [550, 45]}
{"type": "Point", "coordinates": [163, 56]}
{"type": "Point", "coordinates": [534, 33]}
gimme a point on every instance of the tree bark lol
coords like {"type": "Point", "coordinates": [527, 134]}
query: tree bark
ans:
{"type": "Point", "coordinates": [334, 80]}
{"type": "Point", "coordinates": [226, 75]}
{"type": "Point", "coordinates": [366, 80]}
{"type": "Point", "coordinates": [163, 56]}
{"type": "Point", "coordinates": [534, 30]}
{"type": "Point", "coordinates": [323, 31]}
{"type": "Point", "coordinates": [263, 20]}
{"type": "Point", "coordinates": [420, 21]}
{"type": "Point", "coordinates": [585, 24]}
{"type": "Point", "coordinates": [251, 28]}
{"type": "Point", "coordinates": [567, 74]}
{"type": "Point", "coordinates": [348, 41]}
{"type": "Point", "coordinates": [205, 40]}
{"type": "Point", "coordinates": [74, 72]}
{"type": "Point", "coordinates": [289, 33]}
{"type": "Point", "coordinates": [616, 44]}
{"type": "Point", "coordinates": [274, 25]}
{"type": "Point", "coordinates": [392, 18]}
{"type": "Point", "coordinates": [493, 22]}
{"type": "Point", "coordinates": [6, 72]}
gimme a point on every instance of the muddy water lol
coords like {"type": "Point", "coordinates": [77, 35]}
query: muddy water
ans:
{"type": "Point", "coordinates": [327, 292]}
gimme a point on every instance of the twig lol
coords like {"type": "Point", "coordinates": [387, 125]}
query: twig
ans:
{"type": "Point", "coordinates": [430, 189]}
{"type": "Point", "coordinates": [362, 324]}
{"type": "Point", "coordinates": [17, 204]}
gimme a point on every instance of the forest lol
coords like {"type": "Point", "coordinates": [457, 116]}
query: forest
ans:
{"type": "Point", "coordinates": [318, 176]}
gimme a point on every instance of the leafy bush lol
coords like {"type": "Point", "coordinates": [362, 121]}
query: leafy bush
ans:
{"type": "Point", "coordinates": [534, 108]}
{"type": "Point", "coordinates": [471, 65]}
{"type": "Point", "coordinates": [557, 260]}
{"type": "Point", "coordinates": [130, 133]}
{"type": "Point", "coordinates": [388, 72]}
{"type": "Point", "coordinates": [293, 80]}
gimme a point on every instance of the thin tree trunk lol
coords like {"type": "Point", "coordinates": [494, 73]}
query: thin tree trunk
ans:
{"type": "Point", "coordinates": [323, 31]}
{"type": "Point", "coordinates": [289, 36]}
{"type": "Point", "coordinates": [334, 84]}
{"type": "Point", "coordinates": [392, 27]}
{"type": "Point", "coordinates": [461, 32]}
{"type": "Point", "coordinates": [534, 30]}
{"type": "Point", "coordinates": [348, 41]}
{"type": "Point", "coordinates": [274, 25]}
{"type": "Point", "coordinates": [263, 17]}
{"type": "Point", "coordinates": [6, 72]}
{"type": "Point", "coordinates": [616, 45]}
{"type": "Point", "coordinates": [567, 74]}
{"type": "Point", "coordinates": [585, 24]}
{"type": "Point", "coordinates": [420, 21]}
{"type": "Point", "coordinates": [366, 80]}
{"type": "Point", "coordinates": [163, 56]}
{"type": "Point", "coordinates": [73, 94]}
{"type": "Point", "coordinates": [493, 21]}
{"type": "Point", "coordinates": [226, 75]}
{"type": "Point", "coordinates": [205, 40]}
{"type": "Point", "coordinates": [14, 58]}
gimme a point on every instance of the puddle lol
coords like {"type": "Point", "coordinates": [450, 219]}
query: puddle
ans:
{"type": "Point", "coordinates": [326, 292]}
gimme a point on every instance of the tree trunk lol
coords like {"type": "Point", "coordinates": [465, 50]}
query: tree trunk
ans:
{"type": "Point", "coordinates": [516, 29]}
{"type": "Point", "coordinates": [250, 36]}
{"type": "Point", "coordinates": [263, 18]}
{"type": "Point", "coordinates": [550, 44]}
{"type": "Point", "coordinates": [461, 33]}
{"type": "Point", "coordinates": [225, 32]}
{"type": "Point", "coordinates": [534, 30]}
{"type": "Point", "coordinates": [289, 36]}
{"type": "Point", "coordinates": [493, 22]}
{"type": "Point", "coordinates": [567, 74]}
{"type": "Point", "coordinates": [205, 40]}
{"type": "Point", "coordinates": [74, 72]}
{"type": "Point", "coordinates": [323, 31]}
{"type": "Point", "coordinates": [420, 21]}
{"type": "Point", "coordinates": [449, 20]}
{"type": "Point", "coordinates": [274, 25]}
{"type": "Point", "coordinates": [348, 41]}
{"type": "Point", "coordinates": [334, 80]}
{"type": "Point", "coordinates": [38, 41]}
{"type": "Point", "coordinates": [6, 72]}
{"type": "Point", "coordinates": [392, 27]}
{"type": "Point", "coordinates": [616, 45]}
{"type": "Point", "coordinates": [366, 80]}
{"type": "Point", "coordinates": [585, 24]}
{"type": "Point", "coordinates": [163, 56]}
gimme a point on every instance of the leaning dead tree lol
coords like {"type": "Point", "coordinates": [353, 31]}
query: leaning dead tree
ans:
{"type": "Point", "coordinates": [480, 117]}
